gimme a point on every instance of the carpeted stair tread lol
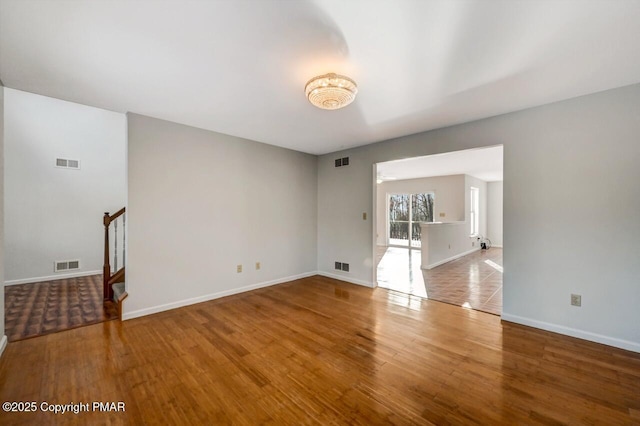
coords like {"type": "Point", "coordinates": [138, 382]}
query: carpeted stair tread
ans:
{"type": "Point", "coordinates": [118, 289]}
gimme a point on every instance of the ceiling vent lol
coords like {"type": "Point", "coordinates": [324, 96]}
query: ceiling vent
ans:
{"type": "Point", "coordinates": [66, 265]}
{"type": "Point", "coordinates": [65, 163]}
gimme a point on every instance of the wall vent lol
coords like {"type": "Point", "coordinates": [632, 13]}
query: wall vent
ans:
{"type": "Point", "coordinates": [341, 266]}
{"type": "Point", "coordinates": [344, 161]}
{"type": "Point", "coordinates": [66, 265]}
{"type": "Point", "coordinates": [67, 164]}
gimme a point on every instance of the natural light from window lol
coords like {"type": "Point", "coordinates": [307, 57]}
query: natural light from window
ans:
{"type": "Point", "coordinates": [494, 265]}
{"type": "Point", "coordinates": [475, 208]}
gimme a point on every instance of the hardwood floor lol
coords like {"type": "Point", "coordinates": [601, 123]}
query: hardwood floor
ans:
{"type": "Point", "coordinates": [41, 308]}
{"type": "Point", "coordinates": [472, 281]}
{"type": "Point", "coordinates": [320, 351]}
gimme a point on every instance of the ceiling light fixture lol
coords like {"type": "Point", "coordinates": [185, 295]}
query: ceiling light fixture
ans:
{"type": "Point", "coordinates": [331, 91]}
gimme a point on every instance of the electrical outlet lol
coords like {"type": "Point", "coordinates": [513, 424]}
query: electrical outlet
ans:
{"type": "Point", "coordinates": [239, 268]}
{"type": "Point", "coordinates": [364, 216]}
{"type": "Point", "coordinates": [257, 265]}
{"type": "Point", "coordinates": [576, 300]}
{"type": "Point", "coordinates": [442, 214]}
{"type": "Point", "coordinates": [473, 243]}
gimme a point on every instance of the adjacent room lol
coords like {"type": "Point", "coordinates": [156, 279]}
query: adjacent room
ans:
{"type": "Point", "coordinates": [329, 212]}
{"type": "Point", "coordinates": [65, 166]}
{"type": "Point", "coordinates": [439, 227]}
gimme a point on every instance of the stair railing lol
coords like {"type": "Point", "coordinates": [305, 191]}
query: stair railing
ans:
{"type": "Point", "coordinates": [109, 276]}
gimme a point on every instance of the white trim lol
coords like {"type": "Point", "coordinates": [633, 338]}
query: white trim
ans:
{"type": "Point", "coordinates": [449, 259]}
{"type": "Point", "coordinates": [495, 245]}
{"type": "Point", "coordinates": [374, 223]}
{"type": "Point", "coordinates": [212, 296]}
{"type": "Point", "coordinates": [568, 331]}
{"type": "Point", "coordinates": [347, 279]}
{"type": "Point", "coordinates": [3, 344]}
{"type": "Point", "coordinates": [52, 277]}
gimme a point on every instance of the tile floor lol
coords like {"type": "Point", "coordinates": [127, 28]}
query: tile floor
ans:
{"type": "Point", "coordinates": [473, 281]}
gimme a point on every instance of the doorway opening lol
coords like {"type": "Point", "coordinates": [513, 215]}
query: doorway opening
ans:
{"type": "Point", "coordinates": [438, 227]}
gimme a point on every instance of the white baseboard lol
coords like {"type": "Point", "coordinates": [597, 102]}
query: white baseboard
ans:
{"type": "Point", "coordinates": [212, 296]}
{"type": "Point", "coordinates": [495, 245]}
{"type": "Point", "coordinates": [52, 277]}
{"type": "Point", "coordinates": [568, 331]}
{"type": "Point", "coordinates": [3, 344]}
{"type": "Point", "coordinates": [347, 279]}
{"type": "Point", "coordinates": [449, 259]}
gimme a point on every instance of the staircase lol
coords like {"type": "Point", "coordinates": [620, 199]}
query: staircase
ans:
{"type": "Point", "coordinates": [113, 279]}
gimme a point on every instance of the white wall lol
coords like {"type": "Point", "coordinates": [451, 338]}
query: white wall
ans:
{"type": "Point", "coordinates": [449, 199]}
{"type": "Point", "coordinates": [201, 203]}
{"type": "Point", "coordinates": [52, 213]}
{"type": "Point", "coordinates": [494, 213]}
{"type": "Point", "coordinates": [444, 242]}
{"type": "Point", "coordinates": [3, 337]}
{"type": "Point", "coordinates": [562, 163]}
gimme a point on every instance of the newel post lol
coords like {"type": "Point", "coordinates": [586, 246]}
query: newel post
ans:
{"type": "Point", "coordinates": [106, 269]}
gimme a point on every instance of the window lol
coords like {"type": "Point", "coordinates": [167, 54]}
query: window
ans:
{"type": "Point", "coordinates": [474, 218]}
{"type": "Point", "coordinates": [406, 211]}
{"type": "Point", "coordinates": [421, 211]}
{"type": "Point", "coordinates": [399, 219]}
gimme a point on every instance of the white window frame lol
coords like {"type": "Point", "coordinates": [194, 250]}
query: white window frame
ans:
{"type": "Point", "coordinates": [410, 222]}
{"type": "Point", "coordinates": [474, 211]}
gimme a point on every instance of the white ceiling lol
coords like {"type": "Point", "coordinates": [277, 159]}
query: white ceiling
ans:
{"type": "Point", "coordinates": [239, 67]}
{"type": "Point", "coordinates": [483, 163]}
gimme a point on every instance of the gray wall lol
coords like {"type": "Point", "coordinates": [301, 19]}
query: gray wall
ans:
{"type": "Point", "coordinates": [201, 203]}
{"type": "Point", "coordinates": [51, 213]}
{"type": "Point", "coordinates": [494, 213]}
{"type": "Point", "coordinates": [3, 338]}
{"type": "Point", "coordinates": [571, 204]}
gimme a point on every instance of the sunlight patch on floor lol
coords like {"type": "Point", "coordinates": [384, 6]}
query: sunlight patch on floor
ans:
{"type": "Point", "coordinates": [473, 281]}
{"type": "Point", "coordinates": [400, 270]}
{"type": "Point", "coordinates": [494, 265]}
